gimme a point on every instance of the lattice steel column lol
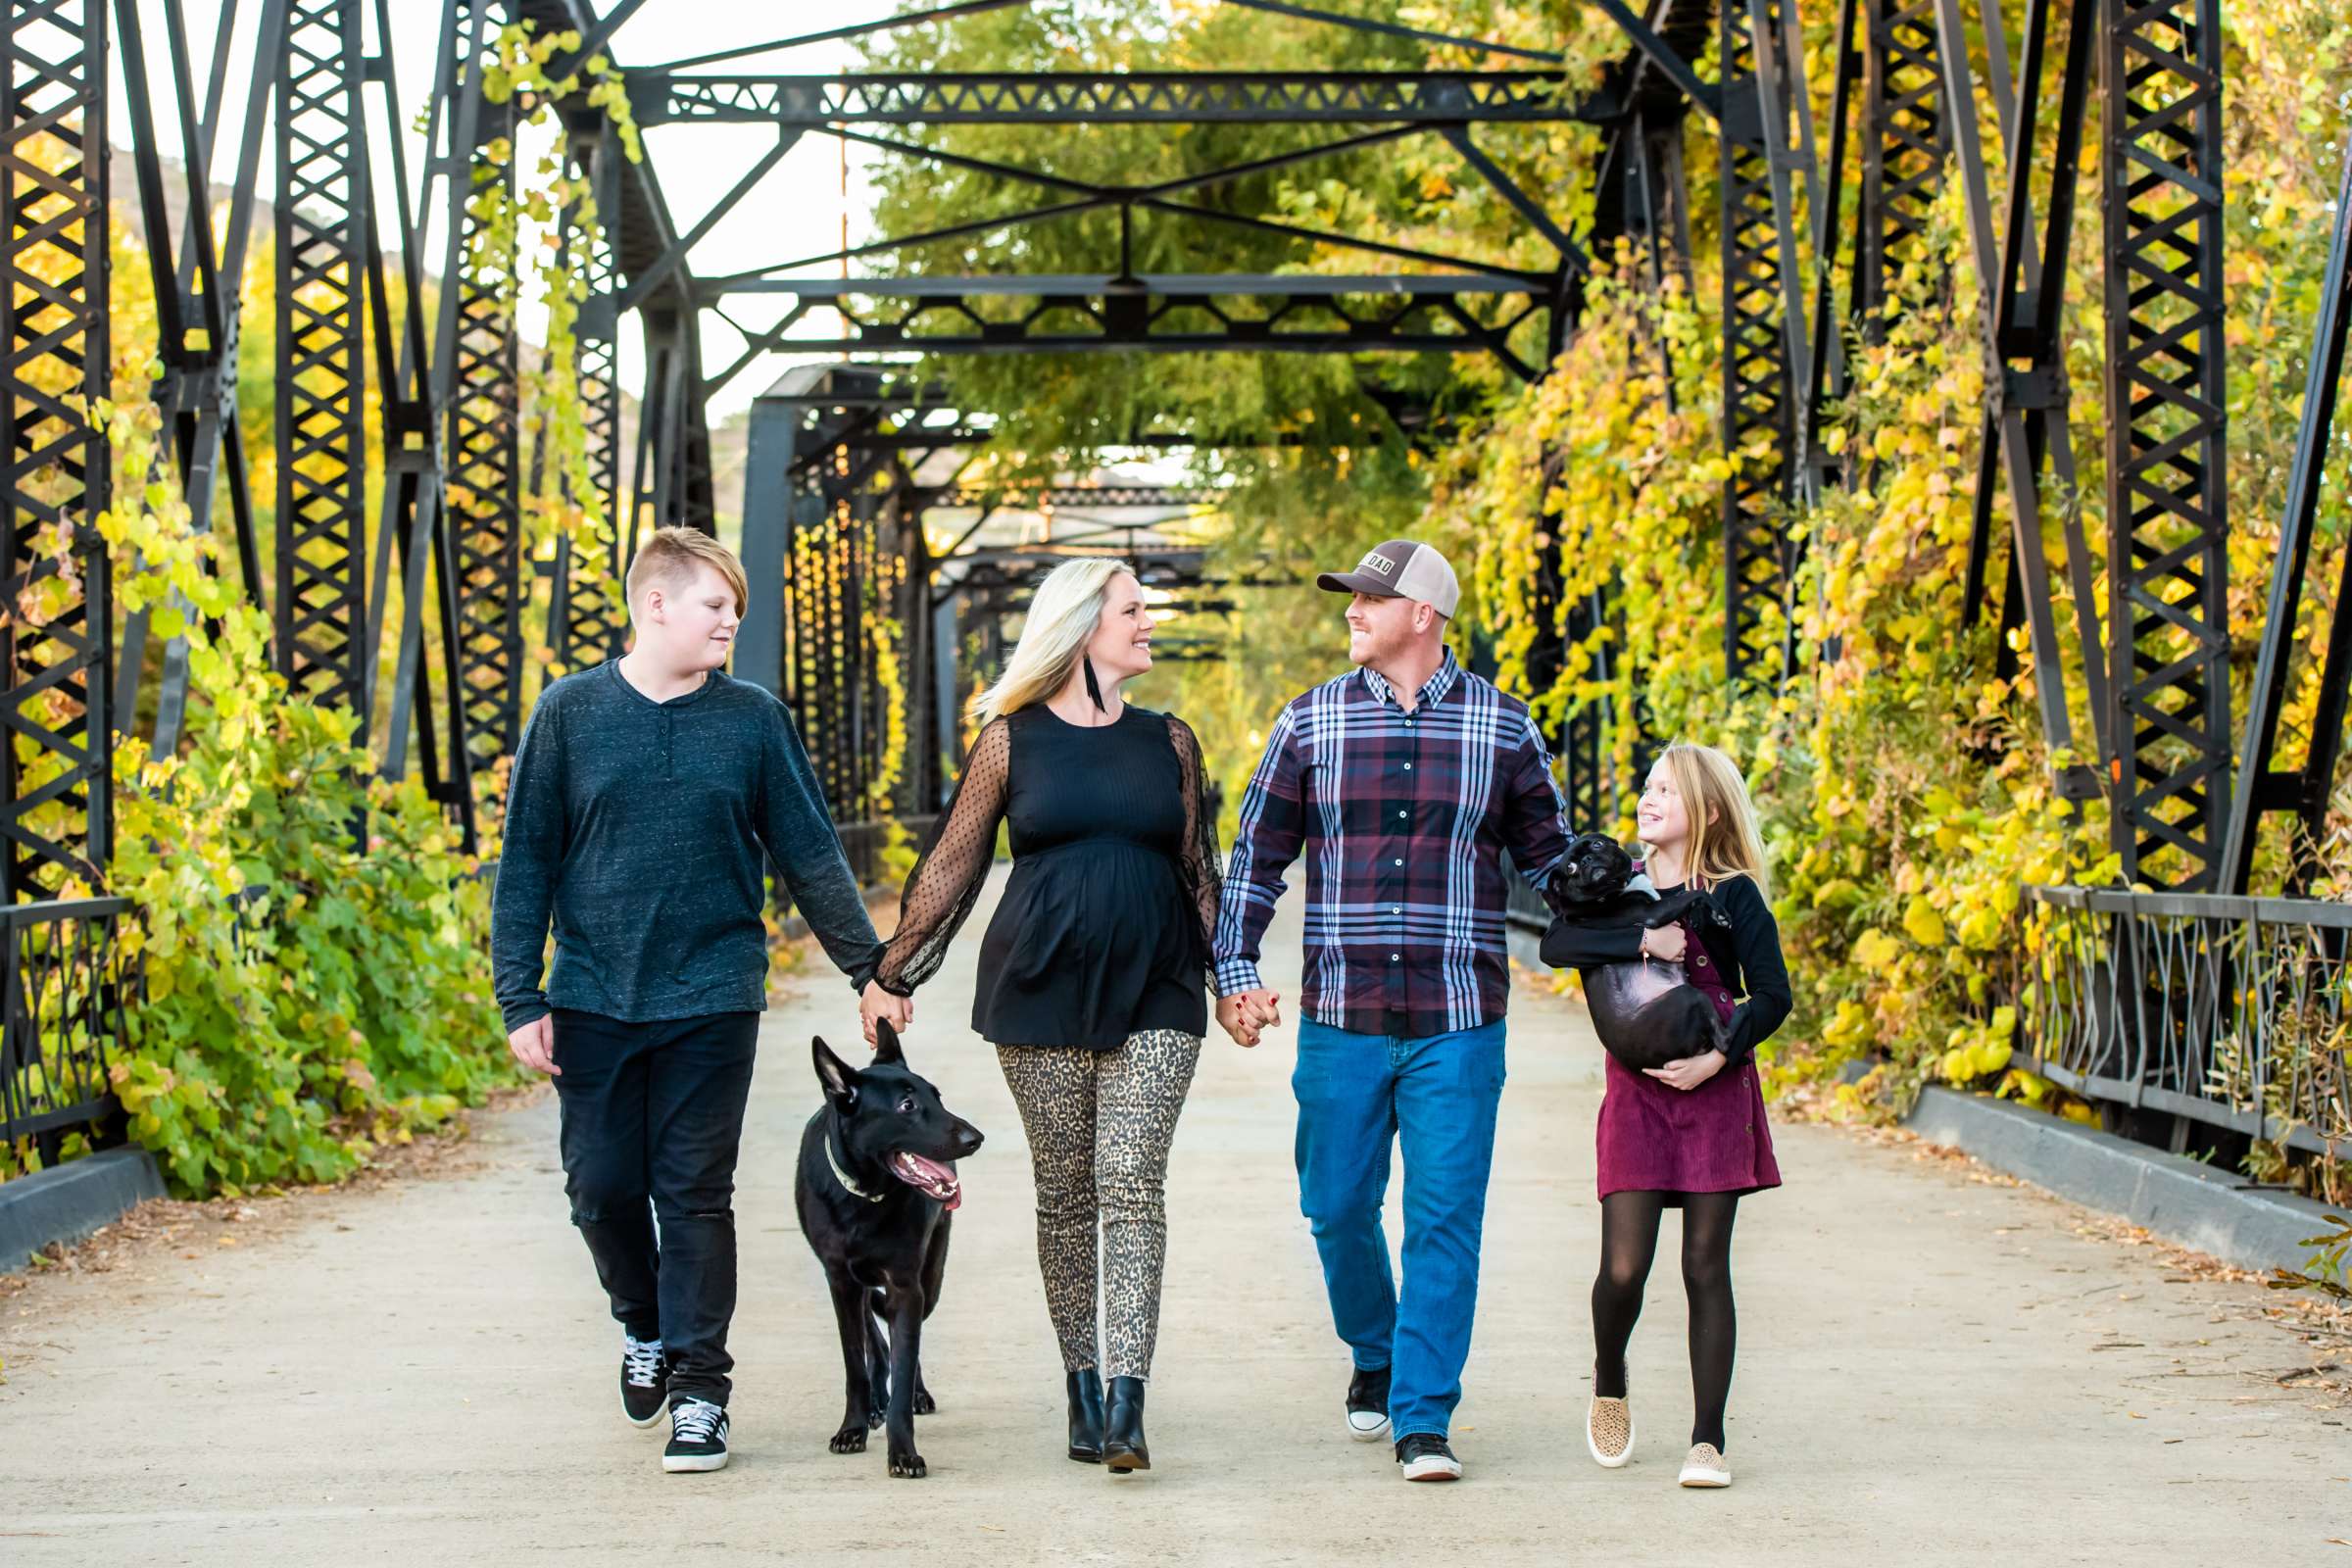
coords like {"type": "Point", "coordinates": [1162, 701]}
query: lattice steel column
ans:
{"type": "Point", "coordinates": [2166, 519]}
{"type": "Point", "coordinates": [589, 608]}
{"type": "Point", "coordinates": [483, 474]}
{"type": "Point", "coordinates": [55, 739]}
{"type": "Point", "coordinates": [1903, 149]}
{"type": "Point", "coordinates": [321, 372]}
{"type": "Point", "coordinates": [1756, 403]}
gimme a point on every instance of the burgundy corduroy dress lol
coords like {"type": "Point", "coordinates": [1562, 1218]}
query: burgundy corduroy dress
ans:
{"type": "Point", "coordinates": [1652, 1137]}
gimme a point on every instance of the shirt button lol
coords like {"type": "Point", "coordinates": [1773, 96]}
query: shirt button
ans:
{"type": "Point", "coordinates": [1397, 909]}
{"type": "Point", "coordinates": [1400, 860]}
{"type": "Point", "coordinates": [1401, 814]}
{"type": "Point", "coordinates": [1393, 956]}
{"type": "Point", "coordinates": [1408, 768]}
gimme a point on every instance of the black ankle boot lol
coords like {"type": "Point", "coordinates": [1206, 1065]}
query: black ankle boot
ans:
{"type": "Point", "coordinates": [1085, 1416]}
{"type": "Point", "coordinates": [1123, 1447]}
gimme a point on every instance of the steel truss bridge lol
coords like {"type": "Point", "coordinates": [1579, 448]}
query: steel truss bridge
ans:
{"type": "Point", "coordinates": [846, 458]}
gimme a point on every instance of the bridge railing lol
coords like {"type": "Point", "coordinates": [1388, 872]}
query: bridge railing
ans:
{"type": "Point", "coordinates": [2229, 1012]}
{"type": "Point", "coordinates": [67, 980]}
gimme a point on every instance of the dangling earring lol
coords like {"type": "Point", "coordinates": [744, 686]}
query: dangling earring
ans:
{"type": "Point", "coordinates": [1093, 688]}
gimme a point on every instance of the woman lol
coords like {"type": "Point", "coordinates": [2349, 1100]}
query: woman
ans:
{"type": "Point", "coordinates": [1093, 972]}
{"type": "Point", "coordinates": [1689, 1135]}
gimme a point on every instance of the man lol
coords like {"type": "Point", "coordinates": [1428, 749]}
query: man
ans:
{"type": "Point", "coordinates": [1403, 781]}
{"type": "Point", "coordinates": [648, 796]}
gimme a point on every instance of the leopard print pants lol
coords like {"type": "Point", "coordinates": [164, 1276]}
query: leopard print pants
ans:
{"type": "Point", "coordinates": [1100, 1123]}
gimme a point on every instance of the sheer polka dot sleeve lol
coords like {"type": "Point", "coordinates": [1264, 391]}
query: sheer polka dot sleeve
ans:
{"type": "Point", "coordinates": [1201, 858]}
{"type": "Point", "coordinates": [948, 877]}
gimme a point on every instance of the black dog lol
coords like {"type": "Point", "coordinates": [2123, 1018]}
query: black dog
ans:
{"type": "Point", "coordinates": [1646, 1014]}
{"type": "Point", "coordinates": [875, 1191]}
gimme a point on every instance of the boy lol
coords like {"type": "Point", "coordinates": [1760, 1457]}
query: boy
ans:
{"type": "Point", "coordinates": [648, 796]}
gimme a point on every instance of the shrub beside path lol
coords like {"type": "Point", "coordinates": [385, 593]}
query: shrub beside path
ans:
{"type": "Point", "coordinates": [1934, 1362]}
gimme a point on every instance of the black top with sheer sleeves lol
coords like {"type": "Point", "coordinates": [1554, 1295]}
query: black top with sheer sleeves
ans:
{"type": "Point", "coordinates": [1105, 924]}
{"type": "Point", "coordinates": [1751, 962]}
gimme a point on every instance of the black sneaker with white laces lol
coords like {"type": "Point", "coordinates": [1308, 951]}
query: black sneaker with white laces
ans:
{"type": "Point", "coordinates": [698, 1435]}
{"type": "Point", "coordinates": [644, 1380]}
{"type": "Point", "coordinates": [1426, 1457]}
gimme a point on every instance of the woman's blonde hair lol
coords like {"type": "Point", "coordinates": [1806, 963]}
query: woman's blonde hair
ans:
{"type": "Point", "coordinates": [1723, 841]}
{"type": "Point", "coordinates": [1061, 621]}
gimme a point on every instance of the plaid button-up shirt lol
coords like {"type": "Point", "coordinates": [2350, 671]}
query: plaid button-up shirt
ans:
{"type": "Point", "coordinates": [1401, 817]}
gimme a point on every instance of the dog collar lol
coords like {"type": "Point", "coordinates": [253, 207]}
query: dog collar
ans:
{"type": "Point", "coordinates": [843, 1176]}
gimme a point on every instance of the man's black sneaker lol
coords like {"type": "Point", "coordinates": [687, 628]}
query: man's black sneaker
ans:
{"type": "Point", "coordinates": [1368, 1404]}
{"type": "Point", "coordinates": [698, 1435]}
{"type": "Point", "coordinates": [1426, 1457]}
{"type": "Point", "coordinates": [644, 1380]}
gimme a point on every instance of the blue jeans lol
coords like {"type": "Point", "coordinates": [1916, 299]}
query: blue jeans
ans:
{"type": "Point", "coordinates": [1435, 1096]}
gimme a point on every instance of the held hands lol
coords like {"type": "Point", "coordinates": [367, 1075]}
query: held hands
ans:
{"type": "Point", "coordinates": [1667, 942]}
{"type": "Point", "coordinates": [875, 1002]}
{"type": "Point", "coordinates": [1689, 1072]}
{"type": "Point", "coordinates": [534, 1044]}
{"type": "Point", "coordinates": [1244, 1013]}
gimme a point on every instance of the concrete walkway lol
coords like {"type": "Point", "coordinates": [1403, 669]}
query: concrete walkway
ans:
{"type": "Point", "coordinates": [1933, 1368]}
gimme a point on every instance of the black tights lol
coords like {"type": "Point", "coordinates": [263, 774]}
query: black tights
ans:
{"type": "Point", "coordinates": [1629, 1239]}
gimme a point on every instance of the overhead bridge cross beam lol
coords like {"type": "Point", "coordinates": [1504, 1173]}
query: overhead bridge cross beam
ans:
{"type": "Point", "coordinates": [1097, 98]}
{"type": "Point", "coordinates": [1168, 314]}
{"type": "Point", "coordinates": [1074, 495]}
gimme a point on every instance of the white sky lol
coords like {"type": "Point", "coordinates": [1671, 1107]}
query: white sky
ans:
{"type": "Point", "coordinates": [797, 210]}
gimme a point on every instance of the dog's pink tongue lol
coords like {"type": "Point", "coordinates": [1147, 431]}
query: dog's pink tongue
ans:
{"type": "Point", "coordinates": [940, 1175]}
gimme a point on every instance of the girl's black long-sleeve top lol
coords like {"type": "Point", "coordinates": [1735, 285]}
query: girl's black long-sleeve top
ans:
{"type": "Point", "coordinates": [1752, 967]}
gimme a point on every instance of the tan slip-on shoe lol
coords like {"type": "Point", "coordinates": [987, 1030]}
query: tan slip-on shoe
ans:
{"type": "Point", "coordinates": [1705, 1467]}
{"type": "Point", "coordinates": [1609, 1431]}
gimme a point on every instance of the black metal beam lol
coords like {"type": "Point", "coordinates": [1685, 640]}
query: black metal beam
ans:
{"type": "Point", "coordinates": [588, 612]}
{"type": "Point", "coordinates": [1072, 495]}
{"type": "Point", "coordinates": [2262, 787]}
{"type": "Point", "coordinates": [323, 211]}
{"type": "Point", "coordinates": [482, 460]}
{"type": "Point", "coordinates": [1662, 57]}
{"type": "Point", "coordinates": [1903, 148]}
{"type": "Point", "coordinates": [1757, 389]}
{"type": "Point", "coordinates": [1572, 255]}
{"type": "Point", "coordinates": [1099, 98]}
{"type": "Point", "coordinates": [2160, 78]}
{"type": "Point", "coordinates": [1282, 315]}
{"type": "Point", "coordinates": [1093, 197]}
{"type": "Point", "coordinates": [642, 286]}
{"type": "Point", "coordinates": [56, 752]}
{"type": "Point", "coordinates": [196, 398]}
{"type": "Point", "coordinates": [2026, 408]}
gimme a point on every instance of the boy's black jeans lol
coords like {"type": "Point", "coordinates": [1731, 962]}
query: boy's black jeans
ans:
{"type": "Point", "coordinates": [653, 1114]}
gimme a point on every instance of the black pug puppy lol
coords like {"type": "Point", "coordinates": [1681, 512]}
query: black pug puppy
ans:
{"type": "Point", "coordinates": [1646, 1012]}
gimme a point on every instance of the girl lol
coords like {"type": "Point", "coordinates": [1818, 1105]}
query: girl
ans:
{"type": "Point", "coordinates": [1689, 1135]}
{"type": "Point", "coordinates": [1093, 971]}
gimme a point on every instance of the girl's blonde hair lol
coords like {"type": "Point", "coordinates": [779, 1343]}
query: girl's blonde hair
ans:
{"type": "Point", "coordinates": [1723, 841]}
{"type": "Point", "coordinates": [1061, 621]}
